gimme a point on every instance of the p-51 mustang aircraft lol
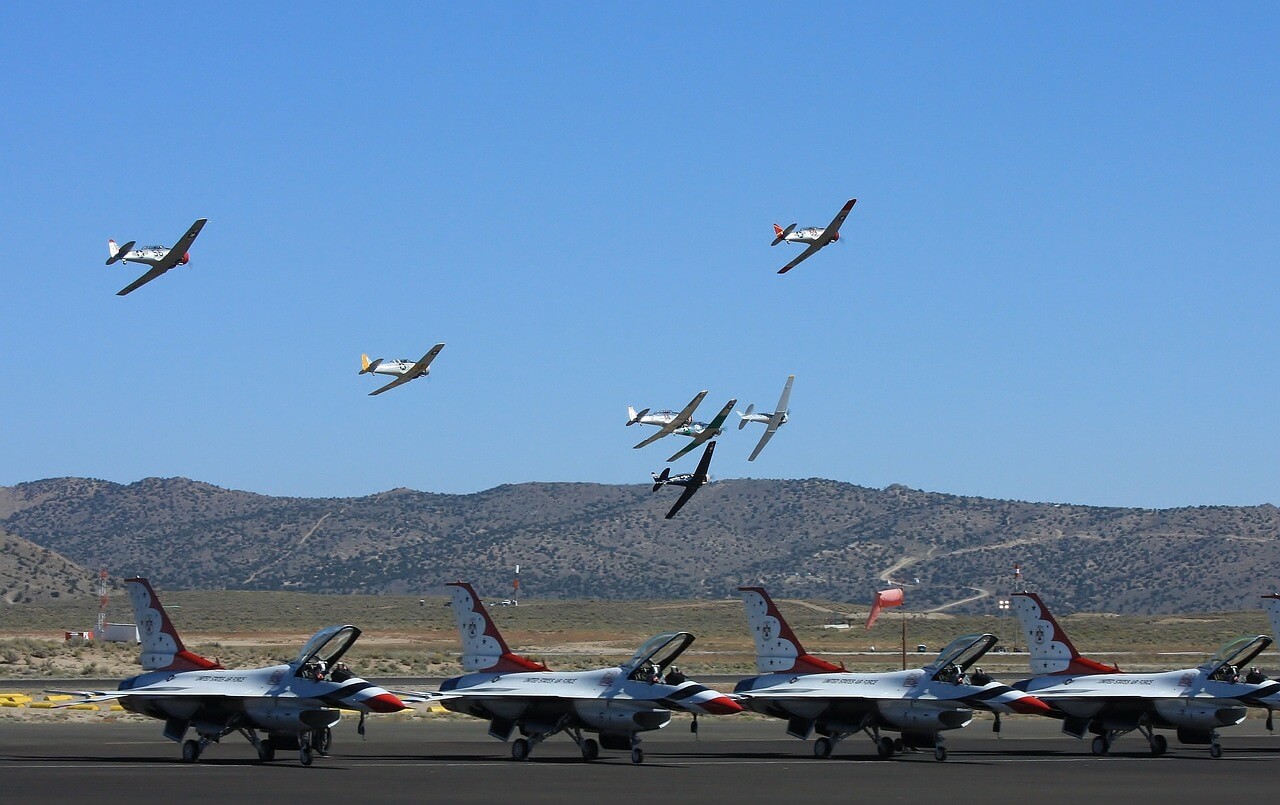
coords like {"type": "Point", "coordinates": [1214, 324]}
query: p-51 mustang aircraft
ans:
{"type": "Point", "coordinates": [816, 237]}
{"type": "Point", "coordinates": [668, 422]}
{"type": "Point", "coordinates": [814, 695]}
{"type": "Point", "coordinates": [1091, 697]}
{"type": "Point", "coordinates": [772, 421]}
{"type": "Point", "coordinates": [691, 482]}
{"type": "Point", "coordinates": [160, 258]}
{"type": "Point", "coordinates": [403, 369]}
{"type": "Point", "coordinates": [295, 704]}
{"type": "Point", "coordinates": [515, 693]}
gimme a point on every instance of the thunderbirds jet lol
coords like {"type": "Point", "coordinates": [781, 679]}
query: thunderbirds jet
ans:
{"type": "Point", "coordinates": [814, 236]}
{"type": "Point", "coordinates": [1091, 697]}
{"type": "Point", "coordinates": [691, 482]}
{"type": "Point", "coordinates": [160, 258]}
{"type": "Point", "coordinates": [512, 692]}
{"type": "Point", "coordinates": [294, 704]}
{"type": "Point", "coordinates": [771, 421]}
{"type": "Point", "coordinates": [404, 370]}
{"type": "Point", "coordinates": [920, 703]}
{"type": "Point", "coordinates": [668, 422]}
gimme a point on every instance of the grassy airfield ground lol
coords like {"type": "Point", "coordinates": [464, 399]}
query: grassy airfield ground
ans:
{"type": "Point", "coordinates": [409, 636]}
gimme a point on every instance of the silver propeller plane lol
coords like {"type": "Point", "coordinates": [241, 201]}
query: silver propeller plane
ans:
{"type": "Point", "coordinates": [668, 422]}
{"type": "Point", "coordinates": [815, 237]}
{"type": "Point", "coordinates": [515, 694]}
{"type": "Point", "coordinates": [295, 704]}
{"type": "Point", "coordinates": [160, 258]}
{"type": "Point", "coordinates": [772, 421]}
{"type": "Point", "coordinates": [402, 369]}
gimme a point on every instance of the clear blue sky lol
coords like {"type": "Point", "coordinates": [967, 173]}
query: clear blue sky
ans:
{"type": "Point", "coordinates": [1060, 282]}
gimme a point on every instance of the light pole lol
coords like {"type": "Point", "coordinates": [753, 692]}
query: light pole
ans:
{"type": "Point", "coordinates": [1003, 605]}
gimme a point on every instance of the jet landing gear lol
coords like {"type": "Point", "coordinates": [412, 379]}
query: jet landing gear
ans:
{"type": "Point", "coordinates": [1159, 744]}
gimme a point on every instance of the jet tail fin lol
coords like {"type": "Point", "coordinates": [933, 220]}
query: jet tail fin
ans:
{"type": "Point", "coordinates": [1047, 642]}
{"type": "Point", "coordinates": [1271, 603]}
{"type": "Point", "coordinates": [778, 650]}
{"type": "Point", "coordinates": [483, 648]}
{"type": "Point", "coordinates": [742, 423]}
{"type": "Point", "coordinates": [162, 649]}
{"type": "Point", "coordinates": [115, 252]}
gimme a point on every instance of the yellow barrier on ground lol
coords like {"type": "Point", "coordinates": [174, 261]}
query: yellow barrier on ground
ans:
{"type": "Point", "coordinates": [85, 706]}
{"type": "Point", "coordinates": [115, 708]}
{"type": "Point", "coordinates": [41, 705]}
{"type": "Point", "coordinates": [58, 697]}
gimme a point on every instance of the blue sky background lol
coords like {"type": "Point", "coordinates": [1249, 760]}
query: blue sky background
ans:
{"type": "Point", "coordinates": [1059, 282]}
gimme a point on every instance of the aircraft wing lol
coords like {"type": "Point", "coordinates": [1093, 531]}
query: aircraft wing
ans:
{"type": "Point", "coordinates": [679, 420]}
{"type": "Point", "coordinates": [689, 491]}
{"type": "Point", "coordinates": [421, 366]}
{"type": "Point", "coordinates": [834, 228]}
{"type": "Point", "coordinates": [709, 432]}
{"type": "Point", "coordinates": [180, 248]}
{"type": "Point", "coordinates": [775, 421]}
{"type": "Point", "coordinates": [86, 697]}
{"type": "Point", "coordinates": [804, 255]}
{"type": "Point", "coordinates": [143, 280]}
{"type": "Point", "coordinates": [764, 439]}
{"type": "Point", "coordinates": [399, 381]}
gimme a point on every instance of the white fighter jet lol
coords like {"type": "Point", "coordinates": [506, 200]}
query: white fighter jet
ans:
{"type": "Point", "coordinates": [812, 694]}
{"type": "Point", "coordinates": [1091, 697]}
{"type": "Point", "coordinates": [404, 370]}
{"type": "Point", "coordinates": [160, 258]}
{"type": "Point", "coordinates": [815, 237]}
{"type": "Point", "coordinates": [515, 693]}
{"type": "Point", "coordinates": [668, 422]}
{"type": "Point", "coordinates": [772, 421]}
{"type": "Point", "coordinates": [295, 704]}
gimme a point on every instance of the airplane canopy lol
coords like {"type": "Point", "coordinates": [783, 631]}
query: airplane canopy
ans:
{"type": "Point", "coordinates": [964, 651]}
{"type": "Point", "coordinates": [1238, 652]}
{"type": "Point", "coordinates": [661, 650]}
{"type": "Point", "coordinates": [328, 644]}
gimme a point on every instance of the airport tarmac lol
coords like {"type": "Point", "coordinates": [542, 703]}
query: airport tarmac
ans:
{"type": "Point", "coordinates": [736, 761]}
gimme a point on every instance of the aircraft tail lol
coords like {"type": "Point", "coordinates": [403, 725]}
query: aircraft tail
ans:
{"type": "Point", "coordinates": [742, 422]}
{"type": "Point", "coordinates": [115, 252]}
{"type": "Point", "coordinates": [367, 365]}
{"type": "Point", "coordinates": [162, 649]}
{"type": "Point", "coordinates": [660, 480]}
{"type": "Point", "coordinates": [483, 648]}
{"type": "Point", "coordinates": [1047, 642]}
{"type": "Point", "coordinates": [778, 650]}
{"type": "Point", "coordinates": [1271, 603]}
{"type": "Point", "coordinates": [634, 416]}
{"type": "Point", "coordinates": [780, 234]}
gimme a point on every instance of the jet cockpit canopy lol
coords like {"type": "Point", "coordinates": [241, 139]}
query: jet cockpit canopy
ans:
{"type": "Point", "coordinates": [659, 651]}
{"type": "Point", "coordinates": [962, 652]}
{"type": "Point", "coordinates": [327, 646]}
{"type": "Point", "coordinates": [1236, 654]}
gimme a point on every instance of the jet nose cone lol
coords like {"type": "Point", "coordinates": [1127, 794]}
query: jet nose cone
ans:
{"type": "Point", "coordinates": [1030, 706]}
{"type": "Point", "coordinates": [721, 706]}
{"type": "Point", "coordinates": [385, 703]}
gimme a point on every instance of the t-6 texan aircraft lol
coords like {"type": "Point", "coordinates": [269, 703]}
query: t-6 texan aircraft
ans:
{"type": "Point", "coordinates": [813, 695]}
{"type": "Point", "coordinates": [294, 704]}
{"type": "Point", "coordinates": [691, 482]}
{"type": "Point", "coordinates": [512, 692]}
{"type": "Point", "coordinates": [668, 422]}
{"type": "Point", "coordinates": [1091, 697]}
{"type": "Point", "coordinates": [772, 421]}
{"type": "Point", "coordinates": [160, 258]}
{"type": "Point", "coordinates": [403, 369]}
{"type": "Point", "coordinates": [816, 237]}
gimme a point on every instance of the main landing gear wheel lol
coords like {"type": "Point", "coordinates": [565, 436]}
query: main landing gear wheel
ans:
{"type": "Point", "coordinates": [637, 755]}
{"type": "Point", "coordinates": [266, 751]}
{"type": "Point", "coordinates": [191, 751]}
{"type": "Point", "coordinates": [305, 756]}
{"type": "Point", "coordinates": [520, 749]}
{"type": "Point", "coordinates": [590, 749]}
{"type": "Point", "coordinates": [939, 753]}
{"type": "Point", "coordinates": [822, 748]}
{"type": "Point", "coordinates": [884, 747]}
{"type": "Point", "coordinates": [1101, 745]}
{"type": "Point", "coordinates": [1159, 744]}
{"type": "Point", "coordinates": [1215, 750]}
{"type": "Point", "coordinates": [898, 745]}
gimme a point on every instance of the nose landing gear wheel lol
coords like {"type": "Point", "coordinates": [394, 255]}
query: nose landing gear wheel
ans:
{"type": "Point", "coordinates": [884, 748]}
{"type": "Point", "coordinates": [520, 749]}
{"type": "Point", "coordinates": [940, 753]}
{"type": "Point", "coordinates": [637, 755]}
{"type": "Point", "coordinates": [266, 751]}
{"type": "Point", "coordinates": [822, 748]}
{"type": "Point", "coordinates": [1101, 745]}
{"type": "Point", "coordinates": [305, 756]}
{"type": "Point", "coordinates": [1215, 750]}
{"type": "Point", "coordinates": [590, 749]}
{"type": "Point", "coordinates": [1158, 745]}
{"type": "Point", "coordinates": [191, 751]}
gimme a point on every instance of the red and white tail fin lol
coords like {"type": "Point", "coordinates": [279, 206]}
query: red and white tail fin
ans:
{"type": "Point", "coordinates": [778, 650]}
{"type": "Point", "coordinates": [1271, 603]}
{"type": "Point", "coordinates": [483, 648]}
{"type": "Point", "coordinates": [1050, 649]}
{"type": "Point", "coordinates": [162, 649]}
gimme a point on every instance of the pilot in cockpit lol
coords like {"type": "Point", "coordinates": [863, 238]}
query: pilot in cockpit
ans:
{"type": "Point", "coordinates": [341, 673]}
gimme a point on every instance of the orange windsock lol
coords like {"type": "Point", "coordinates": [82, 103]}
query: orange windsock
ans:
{"type": "Point", "coordinates": [884, 598]}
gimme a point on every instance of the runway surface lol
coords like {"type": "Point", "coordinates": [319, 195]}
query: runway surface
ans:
{"type": "Point", "coordinates": [742, 761]}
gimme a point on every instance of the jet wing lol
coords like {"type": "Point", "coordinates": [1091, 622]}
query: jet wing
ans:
{"type": "Point", "coordinates": [775, 421]}
{"type": "Point", "coordinates": [143, 280]}
{"type": "Point", "coordinates": [679, 420]}
{"type": "Point", "coordinates": [709, 432]}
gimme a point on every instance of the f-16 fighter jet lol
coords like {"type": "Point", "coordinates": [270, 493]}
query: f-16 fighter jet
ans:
{"type": "Point", "coordinates": [772, 421]}
{"type": "Point", "coordinates": [691, 481]}
{"type": "Point", "coordinates": [404, 370]}
{"type": "Point", "coordinates": [816, 237]}
{"type": "Point", "coordinates": [814, 695]}
{"type": "Point", "coordinates": [160, 258]}
{"type": "Point", "coordinates": [514, 693]}
{"type": "Point", "coordinates": [295, 704]}
{"type": "Point", "coordinates": [1094, 698]}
